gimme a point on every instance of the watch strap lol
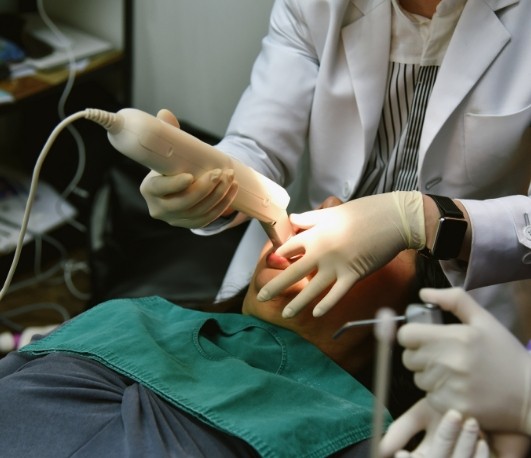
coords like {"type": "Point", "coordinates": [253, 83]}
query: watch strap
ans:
{"type": "Point", "coordinates": [450, 232]}
{"type": "Point", "coordinates": [446, 206]}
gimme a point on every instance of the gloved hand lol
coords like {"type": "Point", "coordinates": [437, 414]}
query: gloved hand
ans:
{"type": "Point", "coordinates": [344, 244]}
{"type": "Point", "coordinates": [447, 436]}
{"type": "Point", "coordinates": [187, 201]}
{"type": "Point", "coordinates": [478, 368]}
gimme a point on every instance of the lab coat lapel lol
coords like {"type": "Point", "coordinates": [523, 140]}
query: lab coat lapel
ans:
{"type": "Point", "coordinates": [367, 43]}
{"type": "Point", "coordinates": [478, 29]}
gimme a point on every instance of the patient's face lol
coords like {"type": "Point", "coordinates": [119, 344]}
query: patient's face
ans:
{"type": "Point", "coordinates": [391, 286]}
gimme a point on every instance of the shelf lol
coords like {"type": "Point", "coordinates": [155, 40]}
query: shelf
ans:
{"type": "Point", "coordinates": [29, 89]}
{"type": "Point", "coordinates": [25, 88]}
{"type": "Point", "coordinates": [34, 97]}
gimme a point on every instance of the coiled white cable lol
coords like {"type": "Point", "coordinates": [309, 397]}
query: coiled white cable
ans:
{"type": "Point", "coordinates": [72, 187]}
{"type": "Point", "coordinates": [106, 120]}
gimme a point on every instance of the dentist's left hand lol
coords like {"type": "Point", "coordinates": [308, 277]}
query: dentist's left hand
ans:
{"type": "Point", "coordinates": [343, 244]}
{"type": "Point", "coordinates": [185, 200]}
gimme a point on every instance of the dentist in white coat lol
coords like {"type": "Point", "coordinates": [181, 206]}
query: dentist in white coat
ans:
{"type": "Point", "coordinates": [421, 97]}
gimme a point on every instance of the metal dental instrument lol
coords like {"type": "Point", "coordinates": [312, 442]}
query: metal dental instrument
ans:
{"type": "Point", "coordinates": [384, 332]}
{"type": "Point", "coordinates": [415, 313]}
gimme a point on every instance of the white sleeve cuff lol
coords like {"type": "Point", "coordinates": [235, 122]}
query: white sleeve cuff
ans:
{"type": "Point", "coordinates": [501, 241]}
{"type": "Point", "coordinates": [222, 224]}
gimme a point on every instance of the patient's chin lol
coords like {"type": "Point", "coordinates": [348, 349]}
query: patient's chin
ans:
{"type": "Point", "coordinates": [270, 311]}
{"type": "Point", "coordinates": [266, 310]}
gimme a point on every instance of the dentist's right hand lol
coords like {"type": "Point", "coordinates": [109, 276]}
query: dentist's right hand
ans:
{"type": "Point", "coordinates": [185, 200]}
{"type": "Point", "coordinates": [340, 245]}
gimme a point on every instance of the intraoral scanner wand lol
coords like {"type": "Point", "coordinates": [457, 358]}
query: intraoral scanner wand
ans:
{"type": "Point", "coordinates": [168, 150]}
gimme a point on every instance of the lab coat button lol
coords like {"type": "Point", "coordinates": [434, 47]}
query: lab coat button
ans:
{"type": "Point", "coordinates": [527, 232]}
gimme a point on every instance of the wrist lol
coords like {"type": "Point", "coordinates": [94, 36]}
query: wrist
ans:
{"type": "Point", "coordinates": [409, 205]}
{"type": "Point", "coordinates": [431, 217]}
{"type": "Point", "coordinates": [446, 225]}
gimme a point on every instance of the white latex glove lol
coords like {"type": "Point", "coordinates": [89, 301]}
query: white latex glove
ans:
{"type": "Point", "coordinates": [478, 368]}
{"type": "Point", "coordinates": [447, 436]}
{"type": "Point", "coordinates": [344, 244]}
{"type": "Point", "coordinates": [187, 201]}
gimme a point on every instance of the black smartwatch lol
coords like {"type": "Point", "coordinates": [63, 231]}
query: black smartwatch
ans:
{"type": "Point", "coordinates": [450, 233]}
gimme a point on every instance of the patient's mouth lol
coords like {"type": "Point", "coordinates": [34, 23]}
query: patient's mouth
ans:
{"type": "Point", "coordinates": [274, 261]}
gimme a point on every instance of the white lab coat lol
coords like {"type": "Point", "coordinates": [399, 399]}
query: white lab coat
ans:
{"type": "Point", "coordinates": [318, 85]}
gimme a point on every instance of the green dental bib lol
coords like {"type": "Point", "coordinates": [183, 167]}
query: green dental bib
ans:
{"type": "Point", "coordinates": [262, 383]}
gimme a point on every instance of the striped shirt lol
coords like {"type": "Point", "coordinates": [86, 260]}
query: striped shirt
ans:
{"type": "Point", "coordinates": [417, 50]}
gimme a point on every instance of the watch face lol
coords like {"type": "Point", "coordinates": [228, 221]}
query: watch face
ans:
{"type": "Point", "coordinates": [449, 238]}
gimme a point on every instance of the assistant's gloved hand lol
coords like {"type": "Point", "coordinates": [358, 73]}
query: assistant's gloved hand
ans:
{"type": "Point", "coordinates": [446, 436]}
{"type": "Point", "coordinates": [344, 244]}
{"type": "Point", "coordinates": [478, 368]}
{"type": "Point", "coordinates": [187, 201]}
{"type": "Point", "coordinates": [509, 445]}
